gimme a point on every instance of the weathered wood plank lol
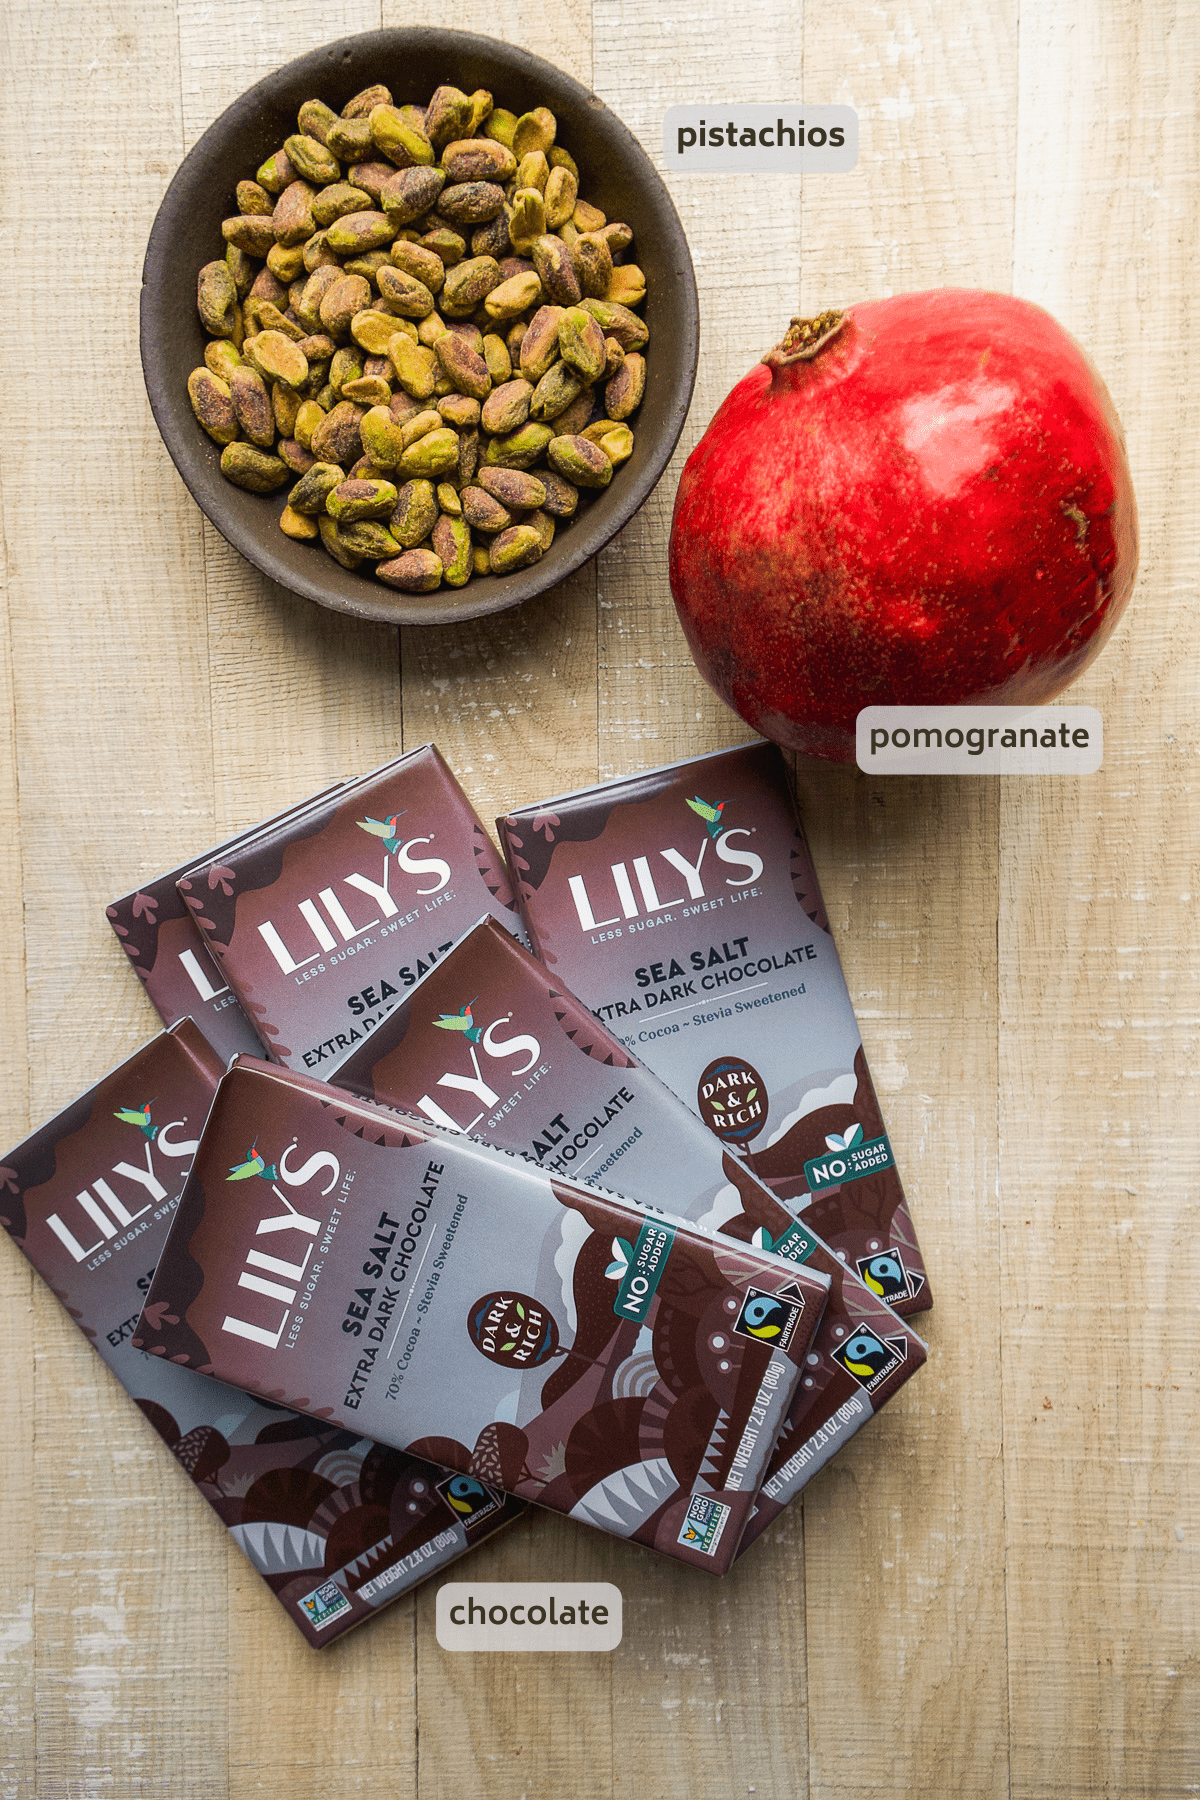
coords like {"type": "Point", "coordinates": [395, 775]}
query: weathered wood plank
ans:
{"type": "Point", "coordinates": [1098, 958]}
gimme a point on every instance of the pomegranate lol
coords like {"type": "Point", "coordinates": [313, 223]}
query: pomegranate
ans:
{"type": "Point", "coordinates": [922, 500]}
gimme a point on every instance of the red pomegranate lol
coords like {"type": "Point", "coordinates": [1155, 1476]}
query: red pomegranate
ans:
{"type": "Point", "coordinates": [922, 500]}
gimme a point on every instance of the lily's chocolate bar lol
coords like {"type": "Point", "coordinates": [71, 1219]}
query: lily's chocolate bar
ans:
{"type": "Point", "coordinates": [320, 920]}
{"type": "Point", "coordinates": [682, 906]}
{"type": "Point", "coordinates": [532, 1333]}
{"type": "Point", "coordinates": [491, 1044]}
{"type": "Point", "coordinates": [336, 1525]}
{"type": "Point", "coordinates": [170, 958]}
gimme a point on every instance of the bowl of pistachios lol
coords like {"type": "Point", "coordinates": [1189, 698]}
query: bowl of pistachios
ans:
{"type": "Point", "coordinates": [419, 325]}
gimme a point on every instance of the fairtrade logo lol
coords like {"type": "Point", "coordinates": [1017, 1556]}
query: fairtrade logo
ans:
{"type": "Point", "coordinates": [732, 1098]}
{"type": "Point", "coordinates": [253, 1165]}
{"type": "Point", "coordinates": [463, 1020]}
{"type": "Point", "coordinates": [885, 1274]}
{"type": "Point", "coordinates": [870, 1359]}
{"type": "Point", "coordinates": [512, 1329]}
{"type": "Point", "coordinates": [710, 814]}
{"type": "Point", "coordinates": [770, 1318]}
{"type": "Point", "coordinates": [467, 1498]}
{"type": "Point", "coordinates": [385, 829]}
{"type": "Point", "coordinates": [139, 1116]}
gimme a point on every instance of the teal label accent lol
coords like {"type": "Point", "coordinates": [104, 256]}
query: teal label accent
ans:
{"type": "Point", "coordinates": [637, 1269]}
{"type": "Point", "coordinates": [795, 1243]}
{"type": "Point", "coordinates": [847, 1159]}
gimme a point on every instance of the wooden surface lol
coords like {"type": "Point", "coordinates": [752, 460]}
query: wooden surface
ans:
{"type": "Point", "coordinates": [993, 1591]}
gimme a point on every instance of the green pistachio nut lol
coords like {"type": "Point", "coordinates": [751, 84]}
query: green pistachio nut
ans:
{"type": "Point", "coordinates": [515, 548]}
{"type": "Point", "coordinates": [314, 487]}
{"type": "Point", "coordinates": [413, 571]}
{"type": "Point", "coordinates": [514, 296]}
{"type": "Point", "coordinates": [583, 463]}
{"type": "Point", "coordinates": [539, 344]}
{"type": "Point", "coordinates": [338, 438]}
{"type": "Point", "coordinates": [478, 159]}
{"type": "Point", "coordinates": [212, 404]}
{"type": "Point", "coordinates": [415, 513]}
{"type": "Point", "coordinates": [434, 454]}
{"type": "Point", "coordinates": [252, 405]}
{"type": "Point", "coordinates": [534, 130]}
{"type": "Point", "coordinates": [468, 284]}
{"type": "Point", "coordinates": [311, 160]}
{"type": "Point", "coordinates": [581, 344]}
{"type": "Point", "coordinates": [331, 540]}
{"type": "Point", "coordinates": [507, 407]}
{"type": "Point", "coordinates": [452, 542]}
{"type": "Point", "coordinates": [216, 299]}
{"type": "Point", "coordinates": [401, 141]}
{"type": "Point", "coordinates": [520, 449]}
{"type": "Point", "coordinates": [253, 469]}
{"type": "Point", "coordinates": [562, 497]}
{"type": "Point", "coordinates": [275, 173]}
{"type": "Point", "coordinates": [514, 488]}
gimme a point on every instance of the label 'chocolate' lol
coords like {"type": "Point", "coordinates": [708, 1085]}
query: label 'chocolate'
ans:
{"type": "Point", "coordinates": [608, 1362]}
{"type": "Point", "coordinates": [336, 1525]}
{"type": "Point", "coordinates": [683, 907]}
{"type": "Point", "coordinates": [318, 922]}
{"type": "Point", "coordinates": [491, 1044]}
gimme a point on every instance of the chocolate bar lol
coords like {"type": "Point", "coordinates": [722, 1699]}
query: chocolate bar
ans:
{"type": "Point", "coordinates": [156, 930]}
{"type": "Point", "coordinates": [319, 921]}
{"type": "Point", "coordinates": [564, 1345]}
{"type": "Point", "coordinates": [336, 1525]}
{"type": "Point", "coordinates": [489, 1043]}
{"type": "Point", "coordinates": [683, 907]}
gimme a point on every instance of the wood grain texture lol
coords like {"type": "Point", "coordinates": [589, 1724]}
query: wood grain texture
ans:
{"type": "Point", "coordinates": [907, 1605]}
{"type": "Point", "coordinates": [1098, 958]}
{"type": "Point", "coordinates": [993, 1591]}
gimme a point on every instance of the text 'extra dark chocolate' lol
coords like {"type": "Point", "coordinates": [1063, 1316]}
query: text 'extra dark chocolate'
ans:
{"type": "Point", "coordinates": [320, 921]}
{"type": "Point", "coordinates": [336, 1525]}
{"type": "Point", "coordinates": [491, 1043]}
{"type": "Point", "coordinates": [683, 907]}
{"type": "Point", "coordinates": [577, 1351]}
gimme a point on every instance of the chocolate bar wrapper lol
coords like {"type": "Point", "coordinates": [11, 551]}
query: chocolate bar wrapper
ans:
{"type": "Point", "coordinates": [171, 959]}
{"type": "Point", "coordinates": [337, 1526]}
{"type": "Point", "coordinates": [491, 1044]}
{"type": "Point", "coordinates": [321, 921]}
{"type": "Point", "coordinates": [682, 906]}
{"type": "Point", "coordinates": [564, 1345]}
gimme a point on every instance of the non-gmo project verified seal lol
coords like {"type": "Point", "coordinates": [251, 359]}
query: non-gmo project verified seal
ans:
{"type": "Point", "coordinates": [703, 1524]}
{"type": "Point", "coordinates": [325, 1604]}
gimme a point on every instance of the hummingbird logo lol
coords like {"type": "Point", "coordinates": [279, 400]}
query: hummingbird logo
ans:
{"type": "Point", "coordinates": [710, 814]}
{"type": "Point", "coordinates": [253, 1165]}
{"type": "Point", "coordinates": [139, 1116]}
{"type": "Point", "coordinates": [463, 1020]}
{"type": "Point", "coordinates": [385, 829]}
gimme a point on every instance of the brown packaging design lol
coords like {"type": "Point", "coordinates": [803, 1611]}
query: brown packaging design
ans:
{"type": "Point", "coordinates": [319, 920]}
{"type": "Point", "coordinates": [489, 1043]}
{"type": "Point", "coordinates": [337, 1526]}
{"type": "Point", "coordinates": [164, 946]}
{"type": "Point", "coordinates": [682, 906]}
{"type": "Point", "coordinates": [577, 1351]}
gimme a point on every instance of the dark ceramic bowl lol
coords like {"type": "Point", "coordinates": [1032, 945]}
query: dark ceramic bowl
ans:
{"type": "Point", "coordinates": [615, 174]}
